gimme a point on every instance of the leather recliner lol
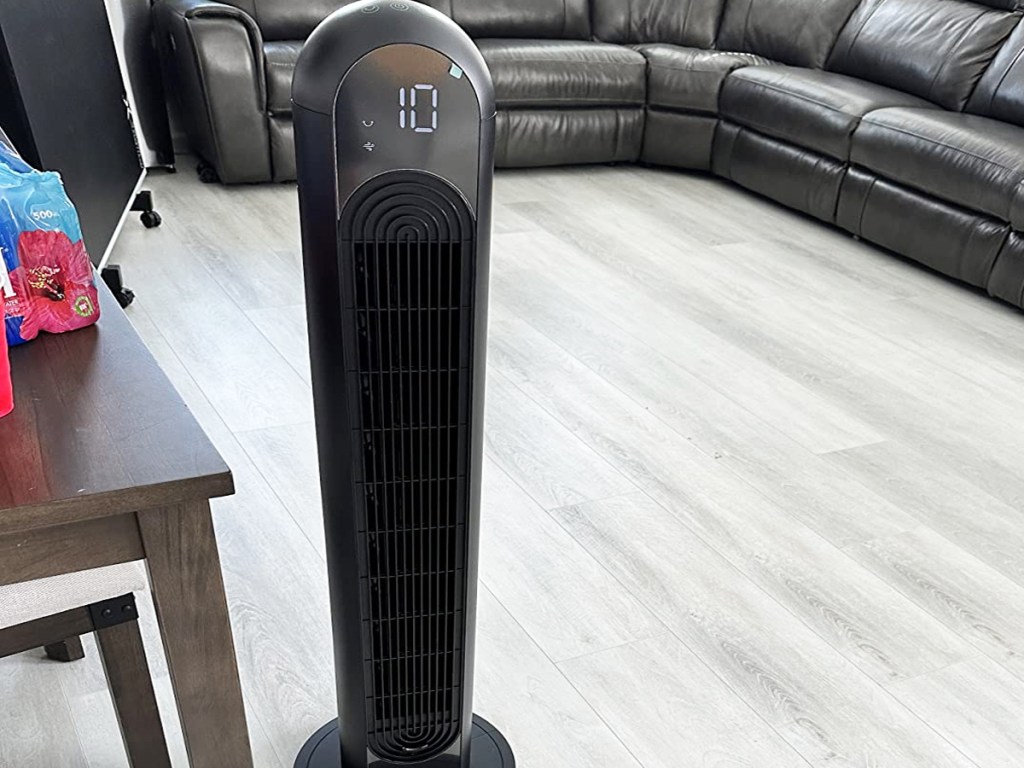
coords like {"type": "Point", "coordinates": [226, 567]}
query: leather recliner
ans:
{"type": "Point", "coordinates": [563, 97]}
{"type": "Point", "coordinates": [228, 67]}
{"type": "Point", "coordinates": [898, 120]}
{"type": "Point", "coordinates": [577, 81]}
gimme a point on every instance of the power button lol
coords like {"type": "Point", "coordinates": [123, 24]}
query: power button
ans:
{"type": "Point", "coordinates": [371, 9]}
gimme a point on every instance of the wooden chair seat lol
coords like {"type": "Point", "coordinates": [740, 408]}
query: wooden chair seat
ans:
{"type": "Point", "coordinates": [31, 600]}
{"type": "Point", "coordinates": [55, 611]}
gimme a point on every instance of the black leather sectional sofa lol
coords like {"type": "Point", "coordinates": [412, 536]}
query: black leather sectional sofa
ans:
{"type": "Point", "coordinates": [897, 120]}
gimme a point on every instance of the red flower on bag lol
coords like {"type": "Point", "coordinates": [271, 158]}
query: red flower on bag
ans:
{"type": "Point", "coordinates": [56, 275]}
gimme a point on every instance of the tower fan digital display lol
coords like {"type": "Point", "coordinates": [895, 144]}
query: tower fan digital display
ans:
{"type": "Point", "coordinates": [394, 131]}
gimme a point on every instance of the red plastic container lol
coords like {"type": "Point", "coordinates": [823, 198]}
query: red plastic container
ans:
{"type": "Point", "coordinates": [6, 392]}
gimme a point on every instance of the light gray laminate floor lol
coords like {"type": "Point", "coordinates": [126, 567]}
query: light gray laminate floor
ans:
{"type": "Point", "coordinates": [753, 490]}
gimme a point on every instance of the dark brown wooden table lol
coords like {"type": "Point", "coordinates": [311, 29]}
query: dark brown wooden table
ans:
{"type": "Point", "coordinates": [102, 463]}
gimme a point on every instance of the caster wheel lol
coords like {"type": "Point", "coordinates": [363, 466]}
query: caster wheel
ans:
{"type": "Point", "coordinates": [112, 277]}
{"type": "Point", "coordinates": [125, 297]}
{"type": "Point", "coordinates": [151, 219]}
{"type": "Point", "coordinates": [207, 173]}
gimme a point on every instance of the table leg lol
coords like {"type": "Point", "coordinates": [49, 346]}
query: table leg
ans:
{"type": "Point", "coordinates": [188, 591]}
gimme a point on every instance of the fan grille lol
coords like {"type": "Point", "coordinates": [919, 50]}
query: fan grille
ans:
{"type": "Point", "coordinates": [412, 281]}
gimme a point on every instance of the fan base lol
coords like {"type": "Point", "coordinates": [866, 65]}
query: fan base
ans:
{"type": "Point", "coordinates": [490, 750]}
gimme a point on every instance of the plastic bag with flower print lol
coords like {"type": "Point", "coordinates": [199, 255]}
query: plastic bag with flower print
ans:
{"type": "Point", "coordinates": [47, 284]}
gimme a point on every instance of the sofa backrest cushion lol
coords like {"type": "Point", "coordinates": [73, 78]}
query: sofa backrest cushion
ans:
{"type": "Point", "coordinates": [288, 19]}
{"type": "Point", "coordinates": [797, 32]}
{"type": "Point", "coordinates": [935, 49]}
{"type": "Point", "coordinates": [691, 23]}
{"type": "Point", "coordinates": [544, 19]}
{"type": "Point", "coordinates": [559, 19]}
{"type": "Point", "coordinates": [1000, 92]}
{"type": "Point", "coordinates": [1003, 5]}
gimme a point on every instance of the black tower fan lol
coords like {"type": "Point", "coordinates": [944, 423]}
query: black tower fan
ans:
{"type": "Point", "coordinates": [394, 131]}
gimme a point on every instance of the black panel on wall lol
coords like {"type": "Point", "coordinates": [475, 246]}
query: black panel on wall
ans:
{"type": "Point", "coordinates": [62, 103]}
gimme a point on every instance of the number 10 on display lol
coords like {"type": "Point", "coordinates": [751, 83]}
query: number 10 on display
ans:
{"type": "Point", "coordinates": [416, 101]}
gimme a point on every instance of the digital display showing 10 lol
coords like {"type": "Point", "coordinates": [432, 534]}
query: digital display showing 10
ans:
{"type": "Point", "coordinates": [418, 108]}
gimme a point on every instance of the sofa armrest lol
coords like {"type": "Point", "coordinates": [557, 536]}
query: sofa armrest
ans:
{"type": "Point", "coordinates": [212, 57]}
{"type": "Point", "coordinates": [198, 8]}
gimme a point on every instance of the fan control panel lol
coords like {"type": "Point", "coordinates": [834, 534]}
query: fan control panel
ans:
{"type": "Point", "coordinates": [405, 107]}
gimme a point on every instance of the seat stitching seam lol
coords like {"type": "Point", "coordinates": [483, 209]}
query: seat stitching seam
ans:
{"type": "Point", "coordinates": [944, 145]}
{"type": "Point", "coordinates": [746, 22]}
{"type": "Point", "coordinates": [686, 18]}
{"type": "Point", "coordinates": [807, 99]}
{"type": "Point", "coordinates": [256, 15]}
{"type": "Point", "coordinates": [839, 192]}
{"type": "Point", "coordinates": [1002, 78]}
{"type": "Point", "coordinates": [977, 83]}
{"type": "Point", "coordinates": [995, 260]}
{"type": "Point", "coordinates": [571, 100]}
{"type": "Point", "coordinates": [773, 132]}
{"type": "Point", "coordinates": [701, 70]}
{"type": "Point", "coordinates": [784, 92]}
{"type": "Point", "coordinates": [554, 59]}
{"type": "Point", "coordinates": [945, 63]}
{"type": "Point", "coordinates": [857, 34]}
{"type": "Point", "coordinates": [864, 206]}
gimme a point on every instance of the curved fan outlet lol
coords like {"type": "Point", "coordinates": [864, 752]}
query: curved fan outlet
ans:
{"type": "Point", "coordinates": [409, 241]}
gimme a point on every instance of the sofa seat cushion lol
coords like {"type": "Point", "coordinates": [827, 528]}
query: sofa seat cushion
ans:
{"type": "Point", "coordinates": [807, 107]}
{"type": "Point", "coordinates": [280, 58]}
{"type": "Point", "coordinates": [557, 73]}
{"type": "Point", "coordinates": [973, 161]}
{"type": "Point", "coordinates": [690, 79]}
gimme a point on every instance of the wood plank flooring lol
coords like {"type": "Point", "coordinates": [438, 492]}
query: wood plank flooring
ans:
{"type": "Point", "coordinates": [753, 493]}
